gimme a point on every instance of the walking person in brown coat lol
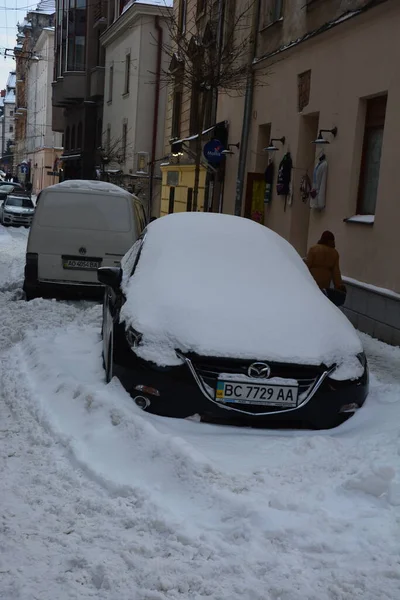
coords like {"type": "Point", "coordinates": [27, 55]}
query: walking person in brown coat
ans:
{"type": "Point", "coordinates": [323, 262]}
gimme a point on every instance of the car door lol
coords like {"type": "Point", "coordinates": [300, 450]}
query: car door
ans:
{"type": "Point", "coordinates": [113, 301]}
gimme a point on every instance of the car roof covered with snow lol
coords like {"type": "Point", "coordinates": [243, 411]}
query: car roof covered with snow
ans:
{"type": "Point", "coordinates": [88, 185]}
{"type": "Point", "coordinates": [219, 285]}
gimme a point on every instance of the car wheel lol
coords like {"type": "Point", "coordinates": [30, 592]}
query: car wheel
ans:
{"type": "Point", "coordinates": [29, 294]}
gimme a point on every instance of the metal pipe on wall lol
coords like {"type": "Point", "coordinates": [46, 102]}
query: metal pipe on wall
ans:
{"type": "Point", "coordinates": [248, 105]}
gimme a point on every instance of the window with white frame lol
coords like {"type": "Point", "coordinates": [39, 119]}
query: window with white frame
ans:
{"type": "Point", "coordinates": [127, 73]}
{"type": "Point", "coordinates": [124, 141]}
{"type": "Point", "coordinates": [110, 82]}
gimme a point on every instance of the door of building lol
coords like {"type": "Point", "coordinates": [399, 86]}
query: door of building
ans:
{"type": "Point", "coordinates": [254, 199]}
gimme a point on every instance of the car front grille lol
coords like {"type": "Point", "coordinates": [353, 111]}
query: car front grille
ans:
{"type": "Point", "coordinates": [209, 371]}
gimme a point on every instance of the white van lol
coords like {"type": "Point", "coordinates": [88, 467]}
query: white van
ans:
{"type": "Point", "coordinates": [78, 227]}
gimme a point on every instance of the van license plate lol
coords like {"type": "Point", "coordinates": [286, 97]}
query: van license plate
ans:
{"type": "Point", "coordinates": [81, 263]}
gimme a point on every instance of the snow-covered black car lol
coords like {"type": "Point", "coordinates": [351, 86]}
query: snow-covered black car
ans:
{"type": "Point", "coordinates": [217, 315]}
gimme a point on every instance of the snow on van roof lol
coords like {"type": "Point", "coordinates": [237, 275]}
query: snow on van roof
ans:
{"type": "Point", "coordinates": [88, 184]}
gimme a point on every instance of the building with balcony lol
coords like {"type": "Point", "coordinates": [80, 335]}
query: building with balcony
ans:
{"type": "Point", "coordinates": [27, 59]}
{"type": "Point", "coordinates": [43, 145]}
{"type": "Point", "coordinates": [78, 85]}
{"type": "Point", "coordinates": [7, 124]}
{"type": "Point", "coordinates": [191, 108]}
{"type": "Point", "coordinates": [331, 108]}
{"type": "Point", "coordinates": [135, 99]}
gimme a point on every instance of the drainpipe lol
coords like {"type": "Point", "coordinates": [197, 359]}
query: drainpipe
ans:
{"type": "Point", "coordinates": [248, 106]}
{"type": "Point", "coordinates": [160, 32]}
{"type": "Point", "coordinates": [208, 202]}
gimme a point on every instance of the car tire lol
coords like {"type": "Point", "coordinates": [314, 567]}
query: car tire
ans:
{"type": "Point", "coordinates": [30, 296]}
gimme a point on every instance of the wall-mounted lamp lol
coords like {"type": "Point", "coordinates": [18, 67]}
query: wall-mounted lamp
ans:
{"type": "Point", "coordinates": [272, 147]}
{"type": "Point", "coordinates": [177, 149]}
{"type": "Point", "coordinates": [228, 150]}
{"type": "Point", "coordinates": [321, 141]}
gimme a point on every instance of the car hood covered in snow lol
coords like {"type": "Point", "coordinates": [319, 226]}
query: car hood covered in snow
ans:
{"type": "Point", "coordinates": [219, 285]}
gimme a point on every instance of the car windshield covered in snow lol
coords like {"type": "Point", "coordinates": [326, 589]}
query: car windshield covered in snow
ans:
{"type": "Point", "coordinates": [20, 202]}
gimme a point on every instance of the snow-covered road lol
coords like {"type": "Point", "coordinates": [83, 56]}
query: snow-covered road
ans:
{"type": "Point", "coordinates": [100, 501]}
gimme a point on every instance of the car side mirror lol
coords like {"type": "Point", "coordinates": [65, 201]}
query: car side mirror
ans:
{"type": "Point", "coordinates": [111, 276]}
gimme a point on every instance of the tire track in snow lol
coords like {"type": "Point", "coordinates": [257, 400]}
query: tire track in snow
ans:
{"type": "Point", "coordinates": [235, 540]}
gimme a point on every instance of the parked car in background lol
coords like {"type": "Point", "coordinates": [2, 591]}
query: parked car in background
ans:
{"type": "Point", "coordinates": [6, 188]}
{"type": "Point", "coordinates": [217, 315]}
{"type": "Point", "coordinates": [17, 210]}
{"type": "Point", "coordinates": [78, 227]}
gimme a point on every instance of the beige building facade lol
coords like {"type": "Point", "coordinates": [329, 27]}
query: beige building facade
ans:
{"type": "Point", "coordinates": [135, 99]}
{"type": "Point", "coordinates": [43, 146]}
{"type": "Point", "coordinates": [331, 67]}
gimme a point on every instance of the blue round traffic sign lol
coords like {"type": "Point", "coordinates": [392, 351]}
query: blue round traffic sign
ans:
{"type": "Point", "coordinates": [213, 152]}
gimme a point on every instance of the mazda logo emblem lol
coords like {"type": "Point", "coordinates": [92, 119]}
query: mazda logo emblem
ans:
{"type": "Point", "coordinates": [82, 250]}
{"type": "Point", "coordinates": [259, 370]}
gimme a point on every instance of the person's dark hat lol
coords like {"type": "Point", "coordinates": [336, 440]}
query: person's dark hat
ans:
{"type": "Point", "coordinates": [327, 238]}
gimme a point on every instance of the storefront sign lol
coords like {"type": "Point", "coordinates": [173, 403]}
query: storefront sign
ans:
{"type": "Point", "coordinates": [213, 152]}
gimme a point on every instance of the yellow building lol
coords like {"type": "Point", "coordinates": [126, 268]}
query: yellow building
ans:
{"type": "Point", "coordinates": [191, 111]}
{"type": "Point", "coordinates": [177, 188]}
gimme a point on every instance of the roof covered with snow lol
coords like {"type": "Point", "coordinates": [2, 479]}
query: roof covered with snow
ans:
{"type": "Point", "coordinates": [12, 80]}
{"type": "Point", "coordinates": [10, 97]}
{"type": "Point", "coordinates": [219, 285]}
{"type": "Point", "coordinates": [46, 7]}
{"type": "Point", "coordinates": [88, 185]}
{"type": "Point", "coordinates": [161, 3]}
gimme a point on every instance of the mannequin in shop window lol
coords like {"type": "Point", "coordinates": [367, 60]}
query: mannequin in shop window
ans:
{"type": "Point", "coordinates": [318, 192]}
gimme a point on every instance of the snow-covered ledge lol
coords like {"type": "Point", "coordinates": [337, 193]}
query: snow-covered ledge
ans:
{"type": "Point", "coordinates": [364, 219]}
{"type": "Point", "coordinates": [372, 288]}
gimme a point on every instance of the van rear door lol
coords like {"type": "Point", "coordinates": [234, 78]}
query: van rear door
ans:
{"type": "Point", "coordinates": [75, 233]}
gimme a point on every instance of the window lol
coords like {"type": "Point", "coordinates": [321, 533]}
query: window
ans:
{"type": "Point", "coordinates": [173, 178]}
{"type": "Point", "coordinates": [303, 90]}
{"type": "Point", "coordinates": [189, 200]}
{"type": "Point", "coordinates": [73, 138]}
{"type": "Point", "coordinates": [201, 7]}
{"type": "Point", "coordinates": [195, 100]}
{"type": "Point", "coordinates": [176, 113]}
{"type": "Point", "coordinates": [123, 141]}
{"type": "Point", "coordinates": [99, 133]}
{"type": "Point", "coordinates": [108, 138]}
{"type": "Point", "coordinates": [273, 11]}
{"type": "Point", "coordinates": [11, 113]}
{"type": "Point", "coordinates": [67, 138]}
{"type": "Point", "coordinates": [79, 140]}
{"type": "Point", "coordinates": [110, 83]}
{"type": "Point", "coordinates": [127, 73]}
{"type": "Point", "coordinates": [182, 16]}
{"type": "Point", "coordinates": [371, 155]}
{"type": "Point", "coordinates": [11, 129]}
{"type": "Point", "coordinates": [73, 35]}
{"type": "Point", "coordinates": [142, 162]}
{"type": "Point", "coordinates": [171, 200]}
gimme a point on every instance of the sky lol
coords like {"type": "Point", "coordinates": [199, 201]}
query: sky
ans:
{"type": "Point", "coordinates": [11, 11]}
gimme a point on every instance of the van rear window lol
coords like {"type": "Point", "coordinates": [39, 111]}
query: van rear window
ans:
{"type": "Point", "coordinates": [83, 211]}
